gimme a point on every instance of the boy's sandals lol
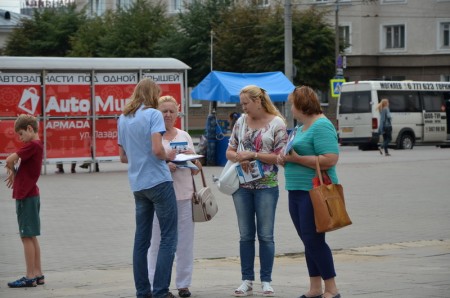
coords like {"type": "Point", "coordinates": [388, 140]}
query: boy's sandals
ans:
{"type": "Point", "coordinates": [245, 289]}
{"type": "Point", "coordinates": [22, 283]}
{"type": "Point", "coordinates": [40, 280]}
{"type": "Point", "coordinates": [267, 289]}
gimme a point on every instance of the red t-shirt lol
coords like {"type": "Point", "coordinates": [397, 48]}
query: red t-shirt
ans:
{"type": "Point", "coordinates": [29, 170]}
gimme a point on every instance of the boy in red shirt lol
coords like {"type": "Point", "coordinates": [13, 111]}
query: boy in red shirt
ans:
{"type": "Point", "coordinates": [26, 193]}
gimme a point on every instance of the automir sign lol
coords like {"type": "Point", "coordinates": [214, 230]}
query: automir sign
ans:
{"type": "Point", "coordinates": [20, 93]}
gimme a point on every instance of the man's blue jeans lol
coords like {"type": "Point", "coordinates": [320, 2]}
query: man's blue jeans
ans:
{"type": "Point", "coordinates": [160, 199]}
{"type": "Point", "coordinates": [255, 209]}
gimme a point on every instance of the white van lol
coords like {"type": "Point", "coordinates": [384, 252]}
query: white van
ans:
{"type": "Point", "coordinates": [420, 113]}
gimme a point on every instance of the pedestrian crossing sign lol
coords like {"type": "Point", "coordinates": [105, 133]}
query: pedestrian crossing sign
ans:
{"type": "Point", "coordinates": [335, 85]}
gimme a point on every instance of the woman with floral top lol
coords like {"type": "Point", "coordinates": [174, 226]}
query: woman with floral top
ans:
{"type": "Point", "coordinates": [263, 137]}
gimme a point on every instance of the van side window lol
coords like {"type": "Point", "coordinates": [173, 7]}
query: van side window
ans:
{"type": "Point", "coordinates": [355, 102]}
{"type": "Point", "coordinates": [433, 101]}
{"type": "Point", "coordinates": [401, 101]}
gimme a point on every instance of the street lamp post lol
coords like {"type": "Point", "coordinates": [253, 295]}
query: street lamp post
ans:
{"type": "Point", "coordinates": [212, 50]}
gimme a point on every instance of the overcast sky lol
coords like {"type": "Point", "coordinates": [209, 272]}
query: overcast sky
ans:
{"type": "Point", "coordinates": [11, 5]}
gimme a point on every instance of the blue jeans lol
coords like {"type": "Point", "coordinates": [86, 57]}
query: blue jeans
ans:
{"type": "Point", "coordinates": [319, 258]}
{"type": "Point", "coordinates": [387, 137]}
{"type": "Point", "coordinates": [255, 209]}
{"type": "Point", "coordinates": [159, 199]}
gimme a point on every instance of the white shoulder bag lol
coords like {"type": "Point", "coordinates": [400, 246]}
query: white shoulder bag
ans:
{"type": "Point", "coordinates": [228, 180]}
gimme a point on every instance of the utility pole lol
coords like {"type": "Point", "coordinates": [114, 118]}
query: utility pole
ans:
{"type": "Point", "coordinates": [337, 57]}
{"type": "Point", "coordinates": [288, 60]}
{"type": "Point", "coordinates": [288, 64]}
{"type": "Point", "coordinates": [336, 35]}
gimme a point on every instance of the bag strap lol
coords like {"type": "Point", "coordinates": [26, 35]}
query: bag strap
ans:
{"type": "Point", "coordinates": [193, 183]}
{"type": "Point", "coordinates": [319, 172]}
{"type": "Point", "coordinates": [242, 132]}
{"type": "Point", "coordinates": [203, 180]}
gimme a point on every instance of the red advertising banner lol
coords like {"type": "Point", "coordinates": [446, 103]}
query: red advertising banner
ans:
{"type": "Point", "coordinates": [67, 95]}
{"type": "Point", "coordinates": [20, 93]}
{"type": "Point", "coordinates": [69, 126]}
{"type": "Point", "coordinates": [170, 84]}
{"type": "Point", "coordinates": [112, 90]}
{"type": "Point", "coordinates": [68, 138]}
{"type": "Point", "coordinates": [106, 138]}
{"type": "Point", "coordinates": [10, 141]}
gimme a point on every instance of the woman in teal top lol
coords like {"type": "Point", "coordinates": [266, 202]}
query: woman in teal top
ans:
{"type": "Point", "coordinates": [316, 137]}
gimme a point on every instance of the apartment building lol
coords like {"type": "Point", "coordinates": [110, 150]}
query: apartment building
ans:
{"type": "Point", "coordinates": [388, 39]}
{"type": "Point", "coordinates": [394, 39]}
{"type": "Point", "coordinates": [98, 7]}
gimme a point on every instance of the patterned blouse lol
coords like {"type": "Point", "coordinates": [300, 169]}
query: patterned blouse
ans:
{"type": "Point", "coordinates": [269, 139]}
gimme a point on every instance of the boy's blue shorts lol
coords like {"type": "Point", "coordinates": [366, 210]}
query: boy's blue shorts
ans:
{"type": "Point", "coordinates": [27, 211]}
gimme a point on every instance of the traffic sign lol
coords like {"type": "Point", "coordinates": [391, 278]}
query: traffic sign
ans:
{"type": "Point", "coordinates": [335, 86]}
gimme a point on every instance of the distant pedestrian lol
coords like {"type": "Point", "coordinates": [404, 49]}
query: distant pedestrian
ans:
{"type": "Point", "coordinates": [23, 181]}
{"type": "Point", "coordinates": [315, 138]}
{"type": "Point", "coordinates": [140, 131]}
{"type": "Point", "coordinates": [60, 168]}
{"type": "Point", "coordinates": [385, 128]}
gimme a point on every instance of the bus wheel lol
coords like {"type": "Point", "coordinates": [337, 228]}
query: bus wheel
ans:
{"type": "Point", "coordinates": [406, 142]}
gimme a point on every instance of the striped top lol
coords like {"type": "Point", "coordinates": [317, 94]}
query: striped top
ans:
{"type": "Point", "coordinates": [320, 138]}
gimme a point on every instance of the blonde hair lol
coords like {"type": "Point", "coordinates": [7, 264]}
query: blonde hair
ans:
{"type": "Point", "coordinates": [383, 103]}
{"type": "Point", "coordinates": [169, 98]}
{"type": "Point", "coordinates": [254, 93]}
{"type": "Point", "coordinates": [22, 122]}
{"type": "Point", "coordinates": [145, 93]}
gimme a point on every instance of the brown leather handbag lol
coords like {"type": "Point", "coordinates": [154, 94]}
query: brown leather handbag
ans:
{"type": "Point", "coordinates": [328, 204]}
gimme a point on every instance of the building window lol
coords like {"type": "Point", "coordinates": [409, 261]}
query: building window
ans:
{"type": "Point", "coordinates": [124, 4]}
{"type": "Point", "coordinates": [193, 103]}
{"type": "Point", "coordinates": [394, 36]}
{"type": "Point", "coordinates": [445, 78]}
{"type": "Point", "coordinates": [330, 1]}
{"type": "Point", "coordinates": [345, 38]}
{"type": "Point", "coordinates": [177, 5]}
{"type": "Point", "coordinates": [262, 3]}
{"type": "Point", "coordinates": [444, 35]}
{"type": "Point", "coordinates": [392, 1]}
{"type": "Point", "coordinates": [221, 104]}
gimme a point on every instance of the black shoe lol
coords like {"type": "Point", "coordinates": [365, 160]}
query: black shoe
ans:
{"type": "Point", "coordinates": [381, 151]}
{"type": "Point", "coordinates": [304, 296]}
{"type": "Point", "coordinates": [85, 165]}
{"type": "Point", "coordinates": [184, 292]}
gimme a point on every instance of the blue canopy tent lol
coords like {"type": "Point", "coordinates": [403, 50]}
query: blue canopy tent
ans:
{"type": "Point", "coordinates": [225, 86]}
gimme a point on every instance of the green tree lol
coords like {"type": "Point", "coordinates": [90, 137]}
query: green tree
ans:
{"type": "Point", "coordinates": [87, 41]}
{"type": "Point", "coordinates": [133, 32]}
{"type": "Point", "coordinates": [189, 41]}
{"type": "Point", "coordinates": [250, 39]}
{"type": "Point", "coordinates": [313, 48]}
{"type": "Point", "coordinates": [47, 33]}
